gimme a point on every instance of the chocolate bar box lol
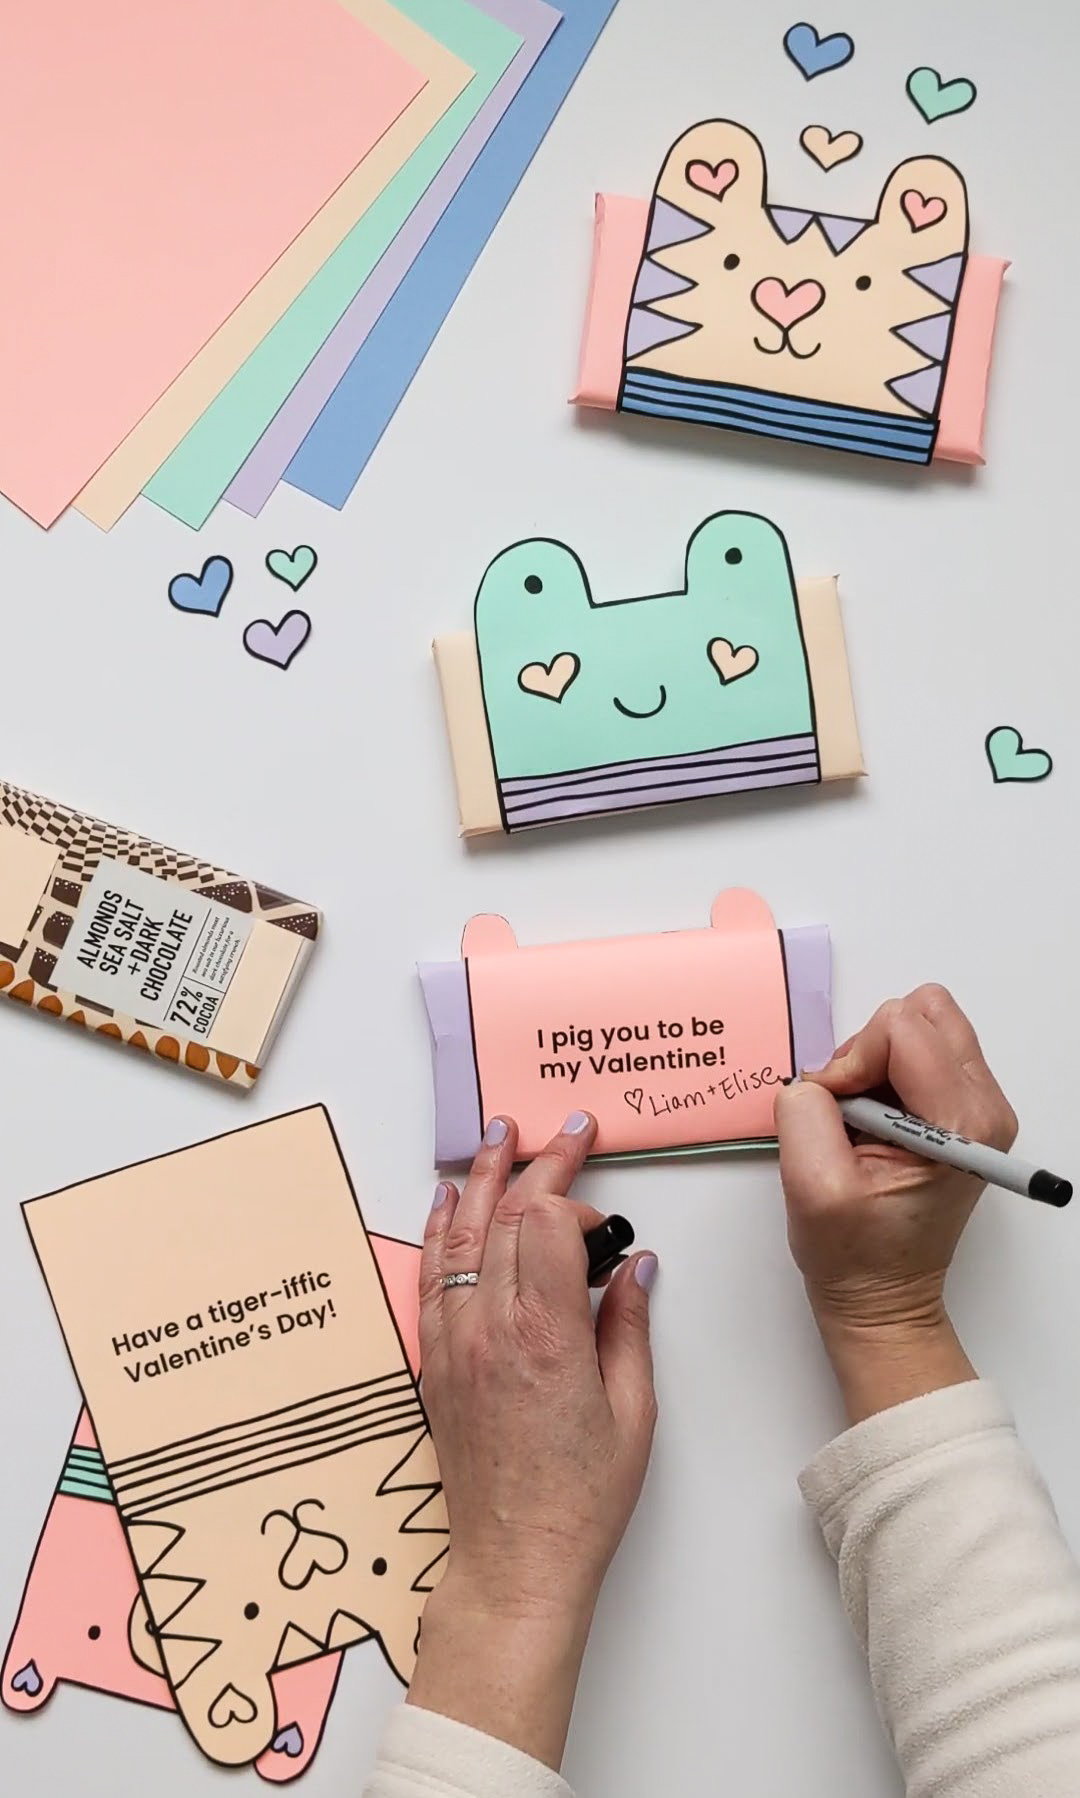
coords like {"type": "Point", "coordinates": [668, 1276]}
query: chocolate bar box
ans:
{"type": "Point", "coordinates": [146, 945]}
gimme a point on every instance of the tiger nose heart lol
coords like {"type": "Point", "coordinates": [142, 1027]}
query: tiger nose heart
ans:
{"type": "Point", "coordinates": [787, 305]}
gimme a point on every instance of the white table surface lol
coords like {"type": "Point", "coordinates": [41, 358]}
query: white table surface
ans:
{"type": "Point", "coordinates": [720, 1660]}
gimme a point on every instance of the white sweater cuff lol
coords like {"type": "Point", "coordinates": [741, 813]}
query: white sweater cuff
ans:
{"type": "Point", "coordinates": [838, 1476]}
{"type": "Point", "coordinates": [423, 1755]}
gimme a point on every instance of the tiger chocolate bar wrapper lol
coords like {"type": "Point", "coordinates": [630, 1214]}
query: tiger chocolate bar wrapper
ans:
{"type": "Point", "coordinates": [274, 1476]}
{"type": "Point", "coordinates": [146, 945]}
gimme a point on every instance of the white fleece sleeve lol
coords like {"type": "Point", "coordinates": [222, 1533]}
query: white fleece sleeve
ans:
{"type": "Point", "coordinates": [962, 1589]}
{"type": "Point", "coordinates": [423, 1755]}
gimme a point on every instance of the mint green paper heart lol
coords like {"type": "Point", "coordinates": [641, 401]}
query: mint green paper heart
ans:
{"type": "Point", "coordinates": [292, 569]}
{"type": "Point", "coordinates": [1009, 760]}
{"type": "Point", "coordinates": [935, 98]}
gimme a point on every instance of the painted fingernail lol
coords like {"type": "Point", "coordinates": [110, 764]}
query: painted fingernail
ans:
{"type": "Point", "coordinates": [645, 1268]}
{"type": "Point", "coordinates": [576, 1123]}
{"type": "Point", "coordinates": [442, 1193]}
{"type": "Point", "coordinates": [495, 1133]}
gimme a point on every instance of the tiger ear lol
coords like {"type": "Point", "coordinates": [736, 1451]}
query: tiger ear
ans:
{"type": "Point", "coordinates": [716, 173]}
{"type": "Point", "coordinates": [923, 212]}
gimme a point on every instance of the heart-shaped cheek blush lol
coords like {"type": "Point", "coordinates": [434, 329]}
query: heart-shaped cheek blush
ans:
{"type": "Point", "coordinates": [921, 211]}
{"type": "Point", "coordinates": [713, 178]}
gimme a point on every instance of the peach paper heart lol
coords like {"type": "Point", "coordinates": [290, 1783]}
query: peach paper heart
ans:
{"type": "Point", "coordinates": [829, 150]}
{"type": "Point", "coordinates": [731, 663]}
{"type": "Point", "coordinates": [712, 178]}
{"type": "Point", "coordinates": [922, 211]}
{"type": "Point", "coordinates": [550, 680]}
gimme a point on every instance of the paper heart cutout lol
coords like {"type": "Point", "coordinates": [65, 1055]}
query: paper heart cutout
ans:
{"type": "Point", "coordinates": [634, 1098]}
{"type": "Point", "coordinates": [713, 178]}
{"type": "Point", "coordinates": [27, 1680]}
{"type": "Point", "coordinates": [231, 1706]}
{"type": "Point", "coordinates": [731, 663]}
{"type": "Point", "coordinates": [293, 567]}
{"type": "Point", "coordinates": [280, 643]}
{"type": "Point", "coordinates": [813, 54]}
{"type": "Point", "coordinates": [1009, 760]}
{"type": "Point", "coordinates": [829, 150]}
{"type": "Point", "coordinates": [937, 99]}
{"type": "Point", "coordinates": [290, 1741]}
{"type": "Point", "coordinates": [203, 592]}
{"type": "Point", "coordinates": [921, 211]}
{"type": "Point", "coordinates": [550, 680]}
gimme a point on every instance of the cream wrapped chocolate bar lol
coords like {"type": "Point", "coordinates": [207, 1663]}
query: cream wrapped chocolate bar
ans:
{"type": "Point", "coordinates": [146, 945]}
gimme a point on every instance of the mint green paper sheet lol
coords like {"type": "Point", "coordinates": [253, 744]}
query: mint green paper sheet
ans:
{"type": "Point", "coordinates": [191, 482]}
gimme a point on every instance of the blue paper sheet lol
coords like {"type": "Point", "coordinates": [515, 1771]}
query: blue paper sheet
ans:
{"type": "Point", "coordinates": [333, 455]}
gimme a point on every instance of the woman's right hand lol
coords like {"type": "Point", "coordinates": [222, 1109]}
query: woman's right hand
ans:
{"type": "Point", "coordinates": [872, 1227]}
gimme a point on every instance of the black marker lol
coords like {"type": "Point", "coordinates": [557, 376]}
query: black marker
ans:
{"type": "Point", "coordinates": [606, 1245]}
{"type": "Point", "coordinates": [890, 1123]}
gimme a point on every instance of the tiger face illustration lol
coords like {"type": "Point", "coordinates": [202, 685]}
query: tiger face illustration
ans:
{"type": "Point", "coordinates": [786, 304]}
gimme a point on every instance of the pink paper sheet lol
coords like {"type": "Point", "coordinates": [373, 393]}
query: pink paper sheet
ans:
{"type": "Point", "coordinates": [159, 160]}
{"type": "Point", "coordinates": [255, 481]}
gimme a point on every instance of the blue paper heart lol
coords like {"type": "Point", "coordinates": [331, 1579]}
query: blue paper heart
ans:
{"type": "Point", "coordinates": [203, 592]}
{"type": "Point", "coordinates": [816, 55]}
{"type": "Point", "coordinates": [27, 1680]}
{"type": "Point", "coordinates": [289, 1741]}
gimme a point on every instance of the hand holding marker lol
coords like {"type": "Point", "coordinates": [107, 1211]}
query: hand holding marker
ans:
{"type": "Point", "coordinates": [891, 1124]}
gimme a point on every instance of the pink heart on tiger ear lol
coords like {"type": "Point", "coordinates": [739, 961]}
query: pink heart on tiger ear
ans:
{"type": "Point", "coordinates": [712, 178]}
{"type": "Point", "coordinates": [922, 211]}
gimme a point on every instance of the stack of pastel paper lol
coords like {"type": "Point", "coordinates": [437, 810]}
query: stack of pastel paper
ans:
{"type": "Point", "coordinates": [233, 228]}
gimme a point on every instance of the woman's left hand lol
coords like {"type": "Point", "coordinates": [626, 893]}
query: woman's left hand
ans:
{"type": "Point", "coordinates": [542, 1419]}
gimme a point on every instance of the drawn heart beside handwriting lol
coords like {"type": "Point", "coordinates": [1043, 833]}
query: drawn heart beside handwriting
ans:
{"type": "Point", "coordinates": [921, 211]}
{"type": "Point", "coordinates": [204, 592]}
{"type": "Point", "coordinates": [231, 1706]}
{"type": "Point", "coordinates": [280, 643]}
{"type": "Point", "coordinates": [712, 178]}
{"type": "Point", "coordinates": [829, 149]}
{"type": "Point", "coordinates": [550, 680]}
{"type": "Point", "coordinates": [731, 663]}
{"type": "Point", "coordinates": [634, 1099]}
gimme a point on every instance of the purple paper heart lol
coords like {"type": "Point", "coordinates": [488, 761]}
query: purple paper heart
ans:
{"type": "Point", "coordinates": [27, 1680]}
{"type": "Point", "coordinates": [289, 1741]}
{"type": "Point", "coordinates": [278, 643]}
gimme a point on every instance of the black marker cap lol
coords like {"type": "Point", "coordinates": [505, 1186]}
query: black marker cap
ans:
{"type": "Point", "coordinates": [1050, 1188]}
{"type": "Point", "coordinates": [607, 1245]}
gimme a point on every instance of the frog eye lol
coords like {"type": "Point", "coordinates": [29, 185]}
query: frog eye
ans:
{"type": "Point", "coordinates": [533, 584]}
{"type": "Point", "coordinates": [733, 556]}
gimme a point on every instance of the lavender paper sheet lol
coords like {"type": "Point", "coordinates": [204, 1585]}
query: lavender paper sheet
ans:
{"type": "Point", "coordinates": [254, 482]}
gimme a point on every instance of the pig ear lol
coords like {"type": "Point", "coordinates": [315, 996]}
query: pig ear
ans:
{"type": "Point", "coordinates": [741, 911]}
{"type": "Point", "coordinates": [715, 173]}
{"type": "Point", "coordinates": [923, 213]}
{"type": "Point", "coordinates": [488, 934]}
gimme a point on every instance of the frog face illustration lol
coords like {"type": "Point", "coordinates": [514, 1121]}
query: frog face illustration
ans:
{"type": "Point", "coordinates": [573, 687]}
